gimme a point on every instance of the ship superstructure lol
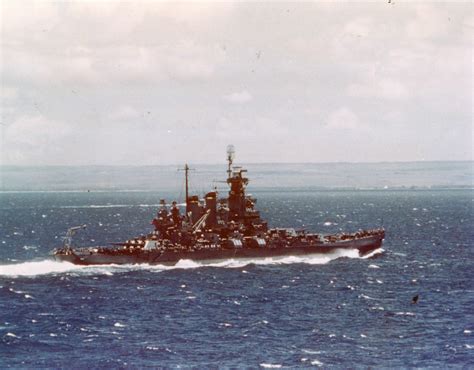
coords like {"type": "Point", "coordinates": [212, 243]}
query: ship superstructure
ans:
{"type": "Point", "coordinates": [214, 228]}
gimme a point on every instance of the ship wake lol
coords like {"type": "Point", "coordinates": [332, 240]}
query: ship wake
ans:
{"type": "Point", "coordinates": [50, 267]}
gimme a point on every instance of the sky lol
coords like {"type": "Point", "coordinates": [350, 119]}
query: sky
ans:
{"type": "Point", "coordinates": [155, 83]}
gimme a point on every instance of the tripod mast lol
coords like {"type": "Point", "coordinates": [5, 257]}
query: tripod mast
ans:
{"type": "Point", "coordinates": [186, 170]}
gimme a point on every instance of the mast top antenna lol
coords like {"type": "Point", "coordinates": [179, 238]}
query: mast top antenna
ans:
{"type": "Point", "coordinates": [230, 152]}
{"type": "Point", "coordinates": [230, 159]}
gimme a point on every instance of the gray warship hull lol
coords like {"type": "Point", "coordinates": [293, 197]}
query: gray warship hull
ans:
{"type": "Point", "coordinates": [89, 256]}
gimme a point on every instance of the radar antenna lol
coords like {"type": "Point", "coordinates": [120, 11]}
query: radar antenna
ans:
{"type": "Point", "coordinates": [230, 158]}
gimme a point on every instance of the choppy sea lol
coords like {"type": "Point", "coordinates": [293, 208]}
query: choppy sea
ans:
{"type": "Point", "coordinates": [327, 311]}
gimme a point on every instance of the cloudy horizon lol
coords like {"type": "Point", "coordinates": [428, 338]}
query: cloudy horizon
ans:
{"type": "Point", "coordinates": [155, 83]}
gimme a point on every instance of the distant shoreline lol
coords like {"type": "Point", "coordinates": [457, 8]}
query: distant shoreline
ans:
{"type": "Point", "coordinates": [224, 164]}
{"type": "Point", "coordinates": [301, 177]}
{"type": "Point", "coordinates": [262, 190]}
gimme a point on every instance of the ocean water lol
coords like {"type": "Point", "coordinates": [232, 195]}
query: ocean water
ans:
{"type": "Point", "coordinates": [337, 310]}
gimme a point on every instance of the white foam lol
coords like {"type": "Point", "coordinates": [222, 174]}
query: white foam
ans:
{"type": "Point", "coordinates": [45, 267]}
{"type": "Point", "coordinates": [311, 352]}
{"type": "Point", "coordinates": [379, 308]}
{"type": "Point", "coordinates": [374, 253]}
{"type": "Point", "coordinates": [38, 268]}
{"type": "Point", "coordinates": [404, 313]}
{"type": "Point", "coordinates": [15, 291]}
{"type": "Point", "coordinates": [399, 254]}
{"type": "Point", "coordinates": [367, 297]}
{"type": "Point", "coordinates": [316, 363]}
{"type": "Point", "coordinates": [314, 259]}
{"type": "Point", "coordinates": [89, 206]}
{"type": "Point", "coordinates": [270, 366]}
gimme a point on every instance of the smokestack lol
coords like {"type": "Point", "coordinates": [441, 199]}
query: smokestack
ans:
{"type": "Point", "coordinates": [211, 204]}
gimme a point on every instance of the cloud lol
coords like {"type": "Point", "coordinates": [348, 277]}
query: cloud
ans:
{"type": "Point", "coordinates": [239, 97]}
{"type": "Point", "coordinates": [382, 88]}
{"type": "Point", "coordinates": [95, 67]}
{"type": "Point", "coordinates": [123, 113]}
{"type": "Point", "coordinates": [67, 43]}
{"type": "Point", "coordinates": [342, 118]}
{"type": "Point", "coordinates": [275, 72]}
{"type": "Point", "coordinates": [8, 92]}
{"type": "Point", "coordinates": [359, 27]}
{"type": "Point", "coordinates": [32, 130]}
{"type": "Point", "coordinates": [255, 128]}
{"type": "Point", "coordinates": [32, 139]}
{"type": "Point", "coordinates": [427, 23]}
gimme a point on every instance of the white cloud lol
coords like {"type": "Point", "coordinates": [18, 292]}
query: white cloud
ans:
{"type": "Point", "coordinates": [32, 130]}
{"type": "Point", "coordinates": [104, 66]}
{"type": "Point", "coordinates": [67, 43]}
{"type": "Point", "coordinates": [343, 118]}
{"type": "Point", "coordinates": [32, 139]}
{"type": "Point", "coordinates": [123, 113]}
{"type": "Point", "coordinates": [380, 88]}
{"type": "Point", "coordinates": [101, 66]}
{"type": "Point", "coordinates": [359, 27]}
{"type": "Point", "coordinates": [256, 128]}
{"type": "Point", "coordinates": [189, 60]}
{"type": "Point", "coordinates": [239, 97]}
{"type": "Point", "coordinates": [428, 23]}
{"type": "Point", "coordinates": [8, 92]}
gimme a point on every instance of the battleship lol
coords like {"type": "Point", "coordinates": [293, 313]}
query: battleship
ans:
{"type": "Point", "coordinates": [214, 229]}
